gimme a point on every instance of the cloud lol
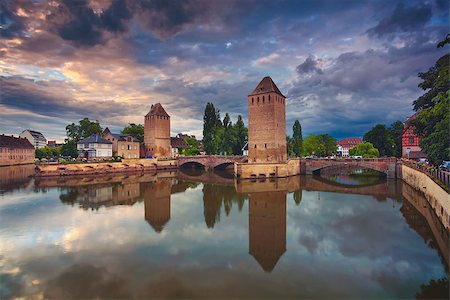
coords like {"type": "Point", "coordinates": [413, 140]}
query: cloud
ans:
{"type": "Point", "coordinates": [338, 63]}
{"type": "Point", "coordinates": [403, 19]}
{"type": "Point", "coordinates": [308, 66]}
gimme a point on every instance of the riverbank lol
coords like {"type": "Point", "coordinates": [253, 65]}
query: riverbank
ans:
{"type": "Point", "coordinates": [125, 166]}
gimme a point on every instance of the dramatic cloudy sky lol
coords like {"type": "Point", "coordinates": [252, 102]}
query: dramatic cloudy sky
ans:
{"type": "Point", "coordinates": [344, 65]}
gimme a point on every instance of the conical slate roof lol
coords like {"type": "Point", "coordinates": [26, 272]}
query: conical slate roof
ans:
{"type": "Point", "coordinates": [157, 110]}
{"type": "Point", "coordinates": [266, 86]}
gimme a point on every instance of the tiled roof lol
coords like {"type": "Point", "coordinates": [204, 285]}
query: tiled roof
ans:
{"type": "Point", "coordinates": [176, 142]}
{"type": "Point", "coordinates": [14, 143]}
{"type": "Point", "coordinates": [266, 86]}
{"type": "Point", "coordinates": [350, 142]}
{"type": "Point", "coordinates": [417, 154]}
{"type": "Point", "coordinates": [157, 110]}
{"type": "Point", "coordinates": [95, 138]}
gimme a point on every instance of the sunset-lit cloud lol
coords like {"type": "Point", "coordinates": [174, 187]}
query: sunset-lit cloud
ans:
{"type": "Point", "coordinates": [339, 63]}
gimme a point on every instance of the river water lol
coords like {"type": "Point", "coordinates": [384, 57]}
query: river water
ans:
{"type": "Point", "coordinates": [190, 234]}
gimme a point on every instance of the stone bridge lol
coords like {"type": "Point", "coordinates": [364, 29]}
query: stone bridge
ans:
{"type": "Point", "coordinates": [387, 166]}
{"type": "Point", "coordinates": [210, 161]}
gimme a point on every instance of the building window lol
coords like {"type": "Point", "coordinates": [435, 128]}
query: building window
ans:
{"type": "Point", "coordinates": [269, 98]}
{"type": "Point", "coordinates": [255, 146]}
{"type": "Point", "coordinates": [264, 99]}
{"type": "Point", "coordinates": [252, 100]}
{"type": "Point", "coordinates": [258, 99]}
{"type": "Point", "coordinates": [411, 140]}
{"type": "Point", "coordinates": [265, 145]}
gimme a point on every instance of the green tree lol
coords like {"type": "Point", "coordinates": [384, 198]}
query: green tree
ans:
{"type": "Point", "coordinates": [85, 129]}
{"type": "Point", "coordinates": [241, 135]}
{"type": "Point", "coordinates": [193, 148]}
{"type": "Point", "coordinates": [43, 152]}
{"type": "Point", "coordinates": [135, 130]}
{"type": "Point", "coordinates": [56, 151]}
{"type": "Point", "coordinates": [381, 138]}
{"type": "Point", "coordinates": [229, 137]}
{"type": "Point", "coordinates": [320, 145]}
{"type": "Point", "coordinates": [209, 129]}
{"type": "Point", "coordinates": [365, 150]}
{"type": "Point", "coordinates": [69, 148]}
{"type": "Point", "coordinates": [289, 146]}
{"type": "Point", "coordinates": [433, 110]}
{"type": "Point", "coordinates": [396, 131]}
{"type": "Point", "coordinates": [297, 139]}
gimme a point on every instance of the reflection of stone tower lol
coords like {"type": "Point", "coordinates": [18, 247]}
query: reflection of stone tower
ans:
{"type": "Point", "coordinates": [266, 123]}
{"type": "Point", "coordinates": [157, 203]}
{"type": "Point", "coordinates": [157, 132]}
{"type": "Point", "coordinates": [267, 227]}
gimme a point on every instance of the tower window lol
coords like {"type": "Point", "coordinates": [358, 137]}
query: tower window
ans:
{"type": "Point", "coordinates": [263, 99]}
{"type": "Point", "coordinates": [265, 145]}
{"type": "Point", "coordinates": [255, 146]}
{"type": "Point", "coordinates": [253, 100]}
{"type": "Point", "coordinates": [269, 98]}
{"type": "Point", "coordinates": [258, 99]}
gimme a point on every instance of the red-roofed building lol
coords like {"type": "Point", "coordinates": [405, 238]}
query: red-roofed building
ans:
{"type": "Point", "coordinates": [346, 144]}
{"type": "Point", "coordinates": [410, 141]}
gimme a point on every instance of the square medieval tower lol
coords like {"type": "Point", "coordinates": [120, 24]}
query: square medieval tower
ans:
{"type": "Point", "coordinates": [157, 132]}
{"type": "Point", "coordinates": [266, 123]}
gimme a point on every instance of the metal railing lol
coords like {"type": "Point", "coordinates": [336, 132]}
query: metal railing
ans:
{"type": "Point", "coordinates": [439, 175]}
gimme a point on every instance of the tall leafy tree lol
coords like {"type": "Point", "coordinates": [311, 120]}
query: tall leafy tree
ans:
{"type": "Point", "coordinates": [241, 135]}
{"type": "Point", "coordinates": [212, 129]}
{"type": "Point", "coordinates": [135, 130]}
{"type": "Point", "coordinates": [84, 129]}
{"type": "Point", "coordinates": [433, 110]}
{"type": "Point", "coordinates": [228, 135]}
{"type": "Point", "coordinates": [396, 131]}
{"type": "Point", "coordinates": [289, 145]}
{"type": "Point", "coordinates": [297, 139]}
{"type": "Point", "coordinates": [381, 138]}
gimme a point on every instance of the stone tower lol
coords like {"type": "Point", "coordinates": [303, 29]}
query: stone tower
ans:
{"type": "Point", "coordinates": [266, 123]}
{"type": "Point", "coordinates": [157, 132]}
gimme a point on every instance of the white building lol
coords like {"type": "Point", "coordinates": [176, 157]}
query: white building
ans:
{"type": "Point", "coordinates": [94, 147]}
{"type": "Point", "coordinates": [36, 138]}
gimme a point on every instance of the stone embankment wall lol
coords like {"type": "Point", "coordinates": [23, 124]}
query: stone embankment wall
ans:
{"type": "Point", "coordinates": [438, 198]}
{"type": "Point", "coordinates": [267, 169]}
{"type": "Point", "coordinates": [126, 165]}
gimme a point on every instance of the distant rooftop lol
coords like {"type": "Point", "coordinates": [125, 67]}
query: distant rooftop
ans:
{"type": "Point", "coordinates": [36, 134]}
{"type": "Point", "coordinates": [266, 86]}
{"type": "Point", "coordinates": [350, 142]}
{"type": "Point", "coordinates": [95, 138]}
{"type": "Point", "coordinates": [14, 142]}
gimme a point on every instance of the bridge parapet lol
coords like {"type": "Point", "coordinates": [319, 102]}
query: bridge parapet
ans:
{"type": "Point", "coordinates": [210, 161]}
{"type": "Point", "coordinates": [387, 166]}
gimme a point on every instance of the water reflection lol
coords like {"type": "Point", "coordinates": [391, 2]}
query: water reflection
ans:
{"type": "Point", "coordinates": [266, 221]}
{"type": "Point", "coordinates": [207, 240]}
{"type": "Point", "coordinates": [157, 202]}
{"type": "Point", "coordinates": [351, 176]}
{"type": "Point", "coordinates": [15, 177]}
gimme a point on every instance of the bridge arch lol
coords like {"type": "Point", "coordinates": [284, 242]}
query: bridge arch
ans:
{"type": "Point", "coordinates": [192, 165]}
{"type": "Point", "coordinates": [224, 165]}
